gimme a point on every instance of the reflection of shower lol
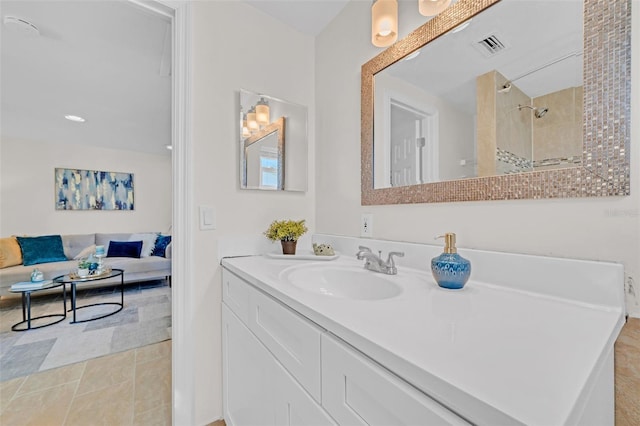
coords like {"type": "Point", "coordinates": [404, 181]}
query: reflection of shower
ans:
{"type": "Point", "coordinates": [539, 112]}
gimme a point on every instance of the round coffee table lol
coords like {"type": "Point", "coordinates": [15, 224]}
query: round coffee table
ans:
{"type": "Point", "coordinates": [74, 281]}
{"type": "Point", "coordinates": [26, 305]}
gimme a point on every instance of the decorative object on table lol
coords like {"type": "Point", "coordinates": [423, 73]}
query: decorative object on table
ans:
{"type": "Point", "coordinates": [323, 250]}
{"type": "Point", "coordinates": [450, 270]}
{"type": "Point", "coordinates": [93, 190]}
{"type": "Point", "coordinates": [83, 267]}
{"type": "Point", "coordinates": [37, 276]}
{"type": "Point", "coordinates": [287, 232]}
{"type": "Point", "coordinates": [100, 254]}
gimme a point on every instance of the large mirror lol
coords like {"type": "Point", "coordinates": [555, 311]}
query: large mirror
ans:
{"type": "Point", "coordinates": [273, 143]}
{"type": "Point", "coordinates": [493, 88]}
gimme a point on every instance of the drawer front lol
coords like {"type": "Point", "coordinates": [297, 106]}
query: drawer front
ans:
{"type": "Point", "coordinates": [235, 294]}
{"type": "Point", "coordinates": [293, 340]}
{"type": "Point", "coordinates": [356, 391]}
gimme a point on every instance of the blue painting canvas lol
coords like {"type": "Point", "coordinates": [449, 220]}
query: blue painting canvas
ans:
{"type": "Point", "coordinates": [93, 190]}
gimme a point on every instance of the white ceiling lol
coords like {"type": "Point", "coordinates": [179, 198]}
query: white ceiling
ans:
{"type": "Point", "coordinates": [307, 16]}
{"type": "Point", "coordinates": [106, 61]}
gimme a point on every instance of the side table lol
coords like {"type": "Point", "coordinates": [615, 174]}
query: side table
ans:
{"type": "Point", "coordinates": [75, 281]}
{"type": "Point", "coordinates": [26, 291]}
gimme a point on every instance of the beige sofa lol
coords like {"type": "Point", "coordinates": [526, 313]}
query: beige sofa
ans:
{"type": "Point", "coordinates": [135, 269]}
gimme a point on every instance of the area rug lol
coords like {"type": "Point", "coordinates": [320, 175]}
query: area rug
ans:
{"type": "Point", "coordinates": [145, 319]}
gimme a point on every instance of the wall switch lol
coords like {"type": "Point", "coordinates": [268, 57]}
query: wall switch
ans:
{"type": "Point", "coordinates": [207, 218]}
{"type": "Point", "coordinates": [366, 225]}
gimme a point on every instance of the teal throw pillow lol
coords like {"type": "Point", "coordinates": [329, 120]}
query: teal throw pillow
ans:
{"type": "Point", "coordinates": [45, 249]}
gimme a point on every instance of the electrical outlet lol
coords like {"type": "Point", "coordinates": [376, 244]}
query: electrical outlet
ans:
{"type": "Point", "coordinates": [366, 225]}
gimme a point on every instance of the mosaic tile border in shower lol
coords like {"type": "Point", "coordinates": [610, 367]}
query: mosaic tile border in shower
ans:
{"type": "Point", "coordinates": [605, 169]}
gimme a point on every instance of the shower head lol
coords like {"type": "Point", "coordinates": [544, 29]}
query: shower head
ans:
{"type": "Point", "coordinates": [541, 112]}
{"type": "Point", "coordinates": [538, 112]}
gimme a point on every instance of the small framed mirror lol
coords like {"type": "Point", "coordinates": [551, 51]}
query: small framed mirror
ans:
{"type": "Point", "coordinates": [273, 143]}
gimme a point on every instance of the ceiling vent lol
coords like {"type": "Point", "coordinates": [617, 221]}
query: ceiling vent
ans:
{"type": "Point", "coordinates": [490, 45]}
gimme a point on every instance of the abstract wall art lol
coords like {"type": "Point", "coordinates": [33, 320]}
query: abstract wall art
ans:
{"type": "Point", "coordinates": [93, 190]}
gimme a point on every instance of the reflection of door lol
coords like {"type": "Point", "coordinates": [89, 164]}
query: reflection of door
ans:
{"type": "Point", "coordinates": [412, 146]}
{"type": "Point", "coordinates": [405, 129]}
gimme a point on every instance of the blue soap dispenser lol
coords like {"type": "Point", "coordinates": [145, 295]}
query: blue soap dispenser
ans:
{"type": "Point", "coordinates": [450, 270]}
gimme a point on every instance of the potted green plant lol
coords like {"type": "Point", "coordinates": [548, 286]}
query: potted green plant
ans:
{"type": "Point", "coordinates": [287, 232]}
{"type": "Point", "coordinates": [83, 267]}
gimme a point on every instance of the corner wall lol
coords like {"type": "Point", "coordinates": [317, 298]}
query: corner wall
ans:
{"type": "Point", "coordinates": [584, 228]}
{"type": "Point", "coordinates": [28, 196]}
{"type": "Point", "coordinates": [235, 47]}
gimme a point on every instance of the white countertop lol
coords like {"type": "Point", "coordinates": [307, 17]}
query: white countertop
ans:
{"type": "Point", "coordinates": [492, 354]}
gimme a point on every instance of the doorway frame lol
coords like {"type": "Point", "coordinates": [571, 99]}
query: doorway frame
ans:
{"type": "Point", "coordinates": [183, 340]}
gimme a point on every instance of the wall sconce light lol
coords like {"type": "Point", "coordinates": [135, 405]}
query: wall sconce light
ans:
{"type": "Point", "coordinates": [432, 7]}
{"type": "Point", "coordinates": [252, 123]}
{"type": "Point", "coordinates": [384, 22]}
{"type": "Point", "coordinates": [262, 112]}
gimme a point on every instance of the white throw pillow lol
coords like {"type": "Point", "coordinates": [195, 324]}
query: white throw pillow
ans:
{"type": "Point", "coordinates": [86, 252]}
{"type": "Point", "coordinates": [148, 242]}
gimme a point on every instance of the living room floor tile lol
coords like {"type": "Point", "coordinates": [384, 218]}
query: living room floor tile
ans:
{"type": "Point", "coordinates": [112, 405]}
{"type": "Point", "coordinates": [153, 384]}
{"type": "Point", "coordinates": [51, 378]}
{"type": "Point", "coordinates": [44, 407]}
{"type": "Point", "coordinates": [132, 387]}
{"type": "Point", "coordinates": [151, 352]}
{"type": "Point", "coordinates": [106, 371]}
{"type": "Point", "coordinates": [8, 389]}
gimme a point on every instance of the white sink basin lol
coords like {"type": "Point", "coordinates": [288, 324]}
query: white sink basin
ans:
{"type": "Point", "coordinates": [341, 282]}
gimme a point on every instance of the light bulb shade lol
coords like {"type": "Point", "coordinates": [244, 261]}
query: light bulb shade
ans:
{"type": "Point", "coordinates": [384, 22]}
{"type": "Point", "coordinates": [262, 112]}
{"type": "Point", "coordinates": [432, 7]}
{"type": "Point", "coordinates": [252, 123]}
{"type": "Point", "coordinates": [245, 129]}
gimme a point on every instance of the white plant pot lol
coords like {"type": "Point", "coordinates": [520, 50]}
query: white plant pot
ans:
{"type": "Point", "coordinates": [83, 272]}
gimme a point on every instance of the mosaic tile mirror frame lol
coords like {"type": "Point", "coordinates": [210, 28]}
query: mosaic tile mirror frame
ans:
{"type": "Point", "coordinates": [605, 166]}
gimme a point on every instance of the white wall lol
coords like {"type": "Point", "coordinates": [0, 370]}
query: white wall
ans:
{"type": "Point", "coordinates": [235, 46]}
{"type": "Point", "coordinates": [28, 196]}
{"type": "Point", "coordinates": [588, 228]}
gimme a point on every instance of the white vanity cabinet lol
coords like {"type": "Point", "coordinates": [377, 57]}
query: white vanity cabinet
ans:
{"type": "Point", "coordinates": [258, 388]}
{"type": "Point", "coordinates": [356, 391]}
{"type": "Point", "coordinates": [279, 368]}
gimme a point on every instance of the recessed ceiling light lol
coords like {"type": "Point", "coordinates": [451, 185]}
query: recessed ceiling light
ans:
{"type": "Point", "coordinates": [461, 27]}
{"type": "Point", "coordinates": [75, 118]}
{"type": "Point", "coordinates": [169, 147]}
{"type": "Point", "coordinates": [412, 55]}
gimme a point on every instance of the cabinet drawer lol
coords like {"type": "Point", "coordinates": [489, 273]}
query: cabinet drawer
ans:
{"type": "Point", "coordinates": [356, 391]}
{"type": "Point", "coordinates": [235, 294]}
{"type": "Point", "coordinates": [292, 339]}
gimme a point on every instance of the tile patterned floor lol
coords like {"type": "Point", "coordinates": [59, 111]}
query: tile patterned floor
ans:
{"type": "Point", "coordinates": [127, 388]}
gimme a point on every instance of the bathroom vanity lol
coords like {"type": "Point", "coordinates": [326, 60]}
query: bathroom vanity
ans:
{"type": "Point", "coordinates": [529, 340]}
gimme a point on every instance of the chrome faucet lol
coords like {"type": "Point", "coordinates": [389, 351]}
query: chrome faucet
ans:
{"type": "Point", "coordinates": [375, 263]}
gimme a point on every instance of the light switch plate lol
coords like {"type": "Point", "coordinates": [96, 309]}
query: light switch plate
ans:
{"type": "Point", "coordinates": [207, 218]}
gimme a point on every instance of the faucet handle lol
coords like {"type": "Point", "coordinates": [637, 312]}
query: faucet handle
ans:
{"type": "Point", "coordinates": [363, 248]}
{"type": "Point", "coordinates": [394, 253]}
